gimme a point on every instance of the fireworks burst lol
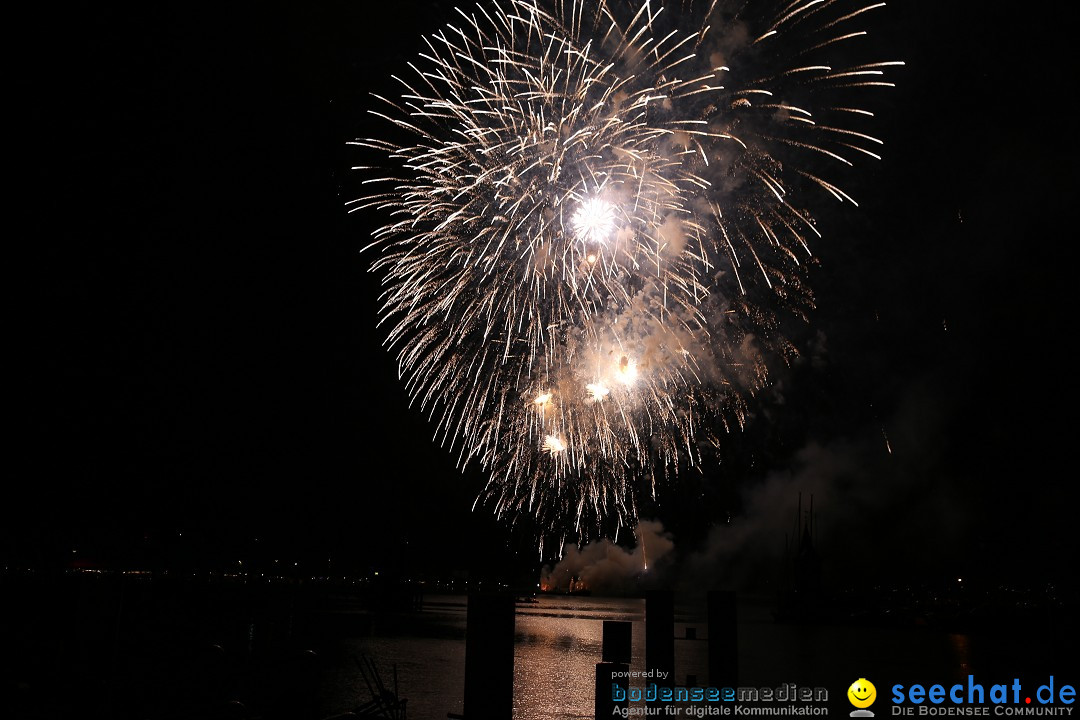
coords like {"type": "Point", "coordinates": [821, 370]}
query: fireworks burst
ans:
{"type": "Point", "coordinates": [597, 211]}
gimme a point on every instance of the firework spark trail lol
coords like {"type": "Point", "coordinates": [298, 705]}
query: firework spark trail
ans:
{"type": "Point", "coordinates": [596, 216]}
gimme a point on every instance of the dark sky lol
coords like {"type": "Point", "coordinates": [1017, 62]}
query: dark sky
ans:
{"type": "Point", "coordinates": [195, 345]}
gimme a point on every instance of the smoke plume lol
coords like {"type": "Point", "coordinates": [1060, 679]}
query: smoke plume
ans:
{"type": "Point", "coordinates": [605, 568]}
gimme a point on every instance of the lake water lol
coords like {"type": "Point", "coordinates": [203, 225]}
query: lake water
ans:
{"type": "Point", "coordinates": [129, 648]}
{"type": "Point", "coordinates": [558, 643]}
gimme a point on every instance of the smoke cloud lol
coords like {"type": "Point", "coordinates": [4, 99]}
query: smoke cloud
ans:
{"type": "Point", "coordinates": [881, 506]}
{"type": "Point", "coordinates": [606, 568]}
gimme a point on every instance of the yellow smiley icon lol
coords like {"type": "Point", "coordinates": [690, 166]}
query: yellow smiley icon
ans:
{"type": "Point", "coordinates": [862, 693]}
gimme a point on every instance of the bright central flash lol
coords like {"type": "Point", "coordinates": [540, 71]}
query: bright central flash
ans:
{"type": "Point", "coordinates": [597, 391]}
{"type": "Point", "coordinates": [554, 444]}
{"type": "Point", "coordinates": [594, 221]}
{"type": "Point", "coordinates": [626, 372]}
{"type": "Point", "coordinates": [543, 399]}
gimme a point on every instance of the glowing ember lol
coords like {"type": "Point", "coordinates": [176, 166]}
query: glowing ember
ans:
{"type": "Point", "coordinates": [627, 371]}
{"type": "Point", "coordinates": [597, 391]}
{"type": "Point", "coordinates": [554, 444]}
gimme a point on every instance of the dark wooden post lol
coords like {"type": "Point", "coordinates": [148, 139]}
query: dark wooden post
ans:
{"type": "Point", "coordinates": [723, 639]}
{"type": "Point", "coordinates": [660, 636]}
{"type": "Point", "coordinates": [613, 670]}
{"type": "Point", "coordinates": [489, 657]}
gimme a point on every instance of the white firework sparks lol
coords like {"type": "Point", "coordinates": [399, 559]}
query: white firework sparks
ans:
{"type": "Point", "coordinates": [597, 214]}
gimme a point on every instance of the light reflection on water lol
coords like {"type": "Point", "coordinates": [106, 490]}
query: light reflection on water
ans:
{"type": "Point", "coordinates": [558, 642]}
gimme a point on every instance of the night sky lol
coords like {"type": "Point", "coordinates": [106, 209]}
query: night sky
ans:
{"type": "Point", "coordinates": [196, 362]}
